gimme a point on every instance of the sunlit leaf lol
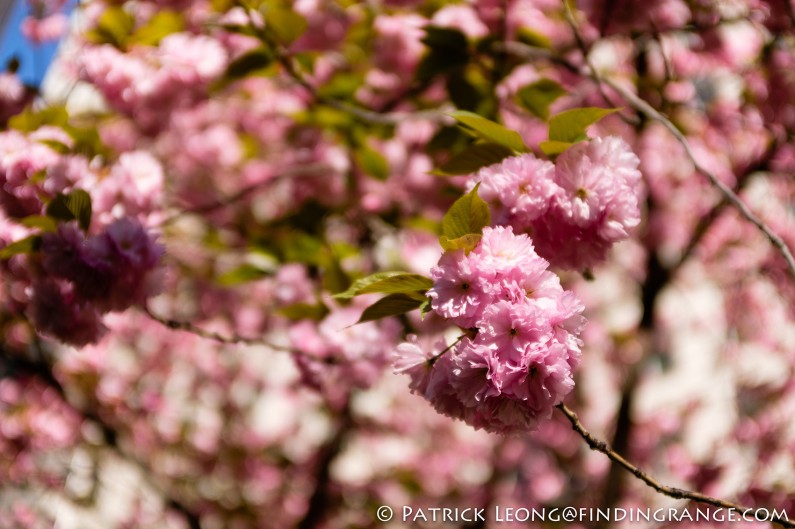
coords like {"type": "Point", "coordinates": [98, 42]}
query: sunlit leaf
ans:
{"type": "Point", "coordinates": [468, 215]}
{"type": "Point", "coordinates": [489, 130]}
{"type": "Point", "coordinates": [570, 125]}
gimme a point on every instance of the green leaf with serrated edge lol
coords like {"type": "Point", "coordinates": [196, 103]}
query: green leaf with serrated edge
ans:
{"type": "Point", "coordinates": [536, 97]}
{"type": "Point", "coordinates": [248, 63]}
{"type": "Point", "coordinates": [75, 205]}
{"type": "Point", "coordinates": [22, 246]}
{"type": "Point", "coordinates": [372, 162]}
{"type": "Point", "coordinates": [466, 243]}
{"type": "Point", "coordinates": [553, 148]}
{"type": "Point", "coordinates": [304, 311]}
{"type": "Point", "coordinates": [392, 305]}
{"type": "Point", "coordinates": [473, 158]}
{"type": "Point", "coordinates": [469, 214]}
{"type": "Point", "coordinates": [570, 125]}
{"type": "Point", "coordinates": [361, 283]}
{"type": "Point", "coordinates": [489, 130]}
{"type": "Point", "coordinates": [46, 224]}
{"type": "Point", "coordinates": [398, 284]}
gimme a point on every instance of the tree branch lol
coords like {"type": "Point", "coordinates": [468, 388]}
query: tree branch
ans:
{"type": "Point", "coordinates": [232, 339]}
{"type": "Point", "coordinates": [644, 108]}
{"type": "Point", "coordinates": [672, 492]}
{"type": "Point", "coordinates": [362, 114]}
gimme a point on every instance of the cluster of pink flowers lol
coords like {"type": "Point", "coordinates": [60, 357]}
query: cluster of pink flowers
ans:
{"type": "Point", "coordinates": [516, 362]}
{"type": "Point", "coordinates": [37, 423]}
{"type": "Point", "coordinates": [73, 278]}
{"type": "Point", "coordinates": [86, 277]}
{"type": "Point", "coordinates": [147, 82]}
{"type": "Point", "coordinates": [575, 209]}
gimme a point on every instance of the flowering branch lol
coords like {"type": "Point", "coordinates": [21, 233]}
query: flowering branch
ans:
{"type": "Point", "coordinates": [641, 106]}
{"type": "Point", "coordinates": [680, 494]}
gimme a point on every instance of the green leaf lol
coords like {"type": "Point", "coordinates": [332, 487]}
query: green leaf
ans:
{"type": "Point", "coordinates": [490, 131]}
{"type": "Point", "coordinates": [22, 246]}
{"type": "Point", "coordinates": [371, 162]}
{"type": "Point", "coordinates": [303, 248]}
{"type": "Point", "coordinates": [462, 92]}
{"type": "Point", "coordinates": [46, 224]}
{"type": "Point", "coordinates": [162, 24]}
{"type": "Point", "coordinates": [243, 274]}
{"type": "Point", "coordinates": [425, 308]}
{"type": "Point", "coordinates": [304, 311]}
{"type": "Point", "coordinates": [342, 86]}
{"type": "Point", "coordinates": [536, 97]}
{"type": "Point", "coordinates": [363, 282]}
{"type": "Point", "coordinates": [31, 120]}
{"type": "Point", "coordinates": [72, 206]}
{"type": "Point", "coordinates": [448, 50]}
{"type": "Point", "coordinates": [466, 242]}
{"type": "Point", "coordinates": [285, 23]}
{"type": "Point", "coordinates": [392, 305]}
{"type": "Point", "coordinates": [474, 157]}
{"type": "Point", "coordinates": [398, 284]}
{"type": "Point", "coordinates": [570, 126]}
{"type": "Point", "coordinates": [533, 38]}
{"type": "Point", "coordinates": [114, 26]}
{"type": "Point", "coordinates": [553, 148]}
{"type": "Point", "coordinates": [248, 63]}
{"type": "Point", "coordinates": [469, 214]}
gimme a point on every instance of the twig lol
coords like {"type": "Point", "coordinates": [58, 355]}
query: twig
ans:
{"type": "Point", "coordinates": [650, 112]}
{"type": "Point", "coordinates": [233, 339]}
{"type": "Point", "coordinates": [363, 114]}
{"type": "Point", "coordinates": [680, 494]}
{"type": "Point", "coordinates": [632, 120]}
{"type": "Point", "coordinates": [242, 194]}
{"type": "Point", "coordinates": [730, 196]}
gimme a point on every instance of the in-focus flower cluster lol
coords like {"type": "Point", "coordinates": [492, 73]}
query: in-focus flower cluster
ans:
{"type": "Point", "coordinates": [576, 208]}
{"type": "Point", "coordinates": [516, 364]}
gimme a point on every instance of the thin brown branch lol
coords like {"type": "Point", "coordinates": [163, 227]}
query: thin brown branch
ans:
{"type": "Point", "coordinates": [650, 112]}
{"type": "Point", "coordinates": [313, 169]}
{"type": "Point", "coordinates": [360, 113]}
{"type": "Point", "coordinates": [232, 339]}
{"type": "Point", "coordinates": [584, 50]}
{"type": "Point", "coordinates": [672, 492]}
